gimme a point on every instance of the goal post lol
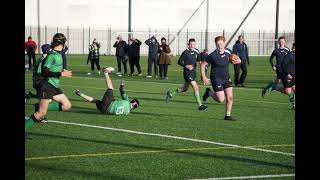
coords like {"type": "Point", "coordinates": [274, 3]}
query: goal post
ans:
{"type": "Point", "coordinates": [143, 36]}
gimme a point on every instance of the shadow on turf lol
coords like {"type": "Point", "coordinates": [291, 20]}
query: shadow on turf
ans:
{"type": "Point", "coordinates": [224, 157]}
{"type": "Point", "coordinates": [72, 170]}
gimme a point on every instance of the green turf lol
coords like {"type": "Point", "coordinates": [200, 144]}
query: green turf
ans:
{"type": "Point", "coordinates": [104, 154]}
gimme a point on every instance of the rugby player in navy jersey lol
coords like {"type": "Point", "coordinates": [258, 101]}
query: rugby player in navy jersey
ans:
{"type": "Point", "coordinates": [219, 76]}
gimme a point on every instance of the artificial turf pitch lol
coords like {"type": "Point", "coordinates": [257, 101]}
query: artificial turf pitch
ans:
{"type": "Point", "coordinates": [64, 151]}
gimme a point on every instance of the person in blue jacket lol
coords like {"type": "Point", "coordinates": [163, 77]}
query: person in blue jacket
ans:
{"type": "Point", "coordinates": [240, 48]}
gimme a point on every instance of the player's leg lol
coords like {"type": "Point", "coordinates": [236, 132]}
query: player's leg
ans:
{"type": "Point", "coordinates": [279, 87]}
{"type": "Point", "coordinates": [236, 73]}
{"type": "Point", "coordinates": [243, 73]}
{"type": "Point", "coordinates": [171, 93]}
{"type": "Point", "coordinates": [229, 101]}
{"type": "Point", "coordinates": [39, 114]}
{"type": "Point", "coordinates": [217, 95]}
{"type": "Point", "coordinates": [107, 77]}
{"type": "Point", "coordinates": [218, 91]}
{"type": "Point", "coordinates": [197, 95]}
{"type": "Point", "coordinates": [63, 104]}
{"type": "Point", "coordinates": [270, 87]}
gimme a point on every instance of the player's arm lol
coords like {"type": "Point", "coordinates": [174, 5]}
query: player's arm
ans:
{"type": "Point", "coordinates": [46, 72]}
{"type": "Point", "coordinates": [198, 58]}
{"type": "Point", "coordinates": [181, 59]}
{"type": "Point", "coordinates": [203, 72]}
{"type": "Point", "coordinates": [271, 58]}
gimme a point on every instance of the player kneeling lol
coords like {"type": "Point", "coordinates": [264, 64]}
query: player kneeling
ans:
{"type": "Point", "coordinates": [109, 104]}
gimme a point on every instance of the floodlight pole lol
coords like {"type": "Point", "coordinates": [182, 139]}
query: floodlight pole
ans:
{"type": "Point", "coordinates": [242, 23]}
{"type": "Point", "coordinates": [277, 23]}
{"type": "Point", "coordinates": [38, 16]}
{"type": "Point", "coordinates": [129, 20]}
{"type": "Point", "coordinates": [207, 22]}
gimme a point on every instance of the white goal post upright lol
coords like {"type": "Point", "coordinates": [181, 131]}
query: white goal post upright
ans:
{"type": "Point", "coordinates": [158, 35]}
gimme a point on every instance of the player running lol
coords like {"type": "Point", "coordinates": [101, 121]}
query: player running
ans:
{"type": "Point", "coordinates": [188, 60]}
{"type": "Point", "coordinates": [108, 104]}
{"type": "Point", "coordinates": [219, 76]}
{"type": "Point", "coordinates": [48, 88]}
{"type": "Point", "coordinates": [279, 53]}
{"type": "Point", "coordinates": [288, 76]}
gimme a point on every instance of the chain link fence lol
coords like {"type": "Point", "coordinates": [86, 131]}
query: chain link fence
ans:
{"type": "Point", "coordinates": [260, 42]}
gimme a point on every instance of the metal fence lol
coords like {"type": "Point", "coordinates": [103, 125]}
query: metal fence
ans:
{"type": "Point", "coordinates": [78, 39]}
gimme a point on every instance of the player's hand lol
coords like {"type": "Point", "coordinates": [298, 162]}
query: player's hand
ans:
{"type": "Point", "coordinates": [289, 76]}
{"type": "Point", "coordinates": [66, 73]}
{"type": "Point", "coordinates": [274, 68]}
{"type": "Point", "coordinates": [205, 81]}
{"type": "Point", "coordinates": [238, 61]}
{"type": "Point", "coordinates": [190, 67]}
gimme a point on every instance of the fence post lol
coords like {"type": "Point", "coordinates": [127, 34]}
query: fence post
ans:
{"type": "Point", "coordinates": [149, 32]}
{"type": "Point", "coordinates": [168, 35]}
{"type": "Point", "coordinates": [200, 39]}
{"type": "Point", "coordinates": [223, 32]}
{"type": "Point", "coordinates": [83, 41]}
{"type": "Point", "coordinates": [187, 36]}
{"type": "Point", "coordinates": [57, 29]}
{"type": "Point", "coordinates": [68, 39]}
{"type": "Point", "coordinates": [259, 43]}
{"type": "Point", "coordinates": [30, 30]}
{"type": "Point", "coordinates": [109, 42]}
{"type": "Point", "coordinates": [263, 43]}
{"type": "Point", "coordinates": [178, 49]}
{"type": "Point", "coordinates": [45, 33]}
{"type": "Point", "coordinates": [89, 35]}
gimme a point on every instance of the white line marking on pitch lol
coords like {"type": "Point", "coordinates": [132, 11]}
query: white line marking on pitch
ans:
{"type": "Point", "coordinates": [250, 177]}
{"type": "Point", "coordinates": [271, 102]}
{"type": "Point", "coordinates": [173, 137]}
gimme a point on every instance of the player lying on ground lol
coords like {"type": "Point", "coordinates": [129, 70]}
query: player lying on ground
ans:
{"type": "Point", "coordinates": [51, 71]}
{"type": "Point", "coordinates": [188, 60]}
{"type": "Point", "coordinates": [108, 104]}
{"type": "Point", "coordinates": [36, 76]}
{"type": "Point", "coordinates": [220, 77]}
{"type": "Point", "coordinates": [279, 53]}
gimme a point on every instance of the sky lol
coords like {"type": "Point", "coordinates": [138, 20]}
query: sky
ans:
{"type": "Point", "coordinates": [164, 14]}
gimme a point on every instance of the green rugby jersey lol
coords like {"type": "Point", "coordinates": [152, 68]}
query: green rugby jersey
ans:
{"type": "Point", "coordinates": [118, 107]}
{"type": "Point", "coordinates": [55, 64]}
